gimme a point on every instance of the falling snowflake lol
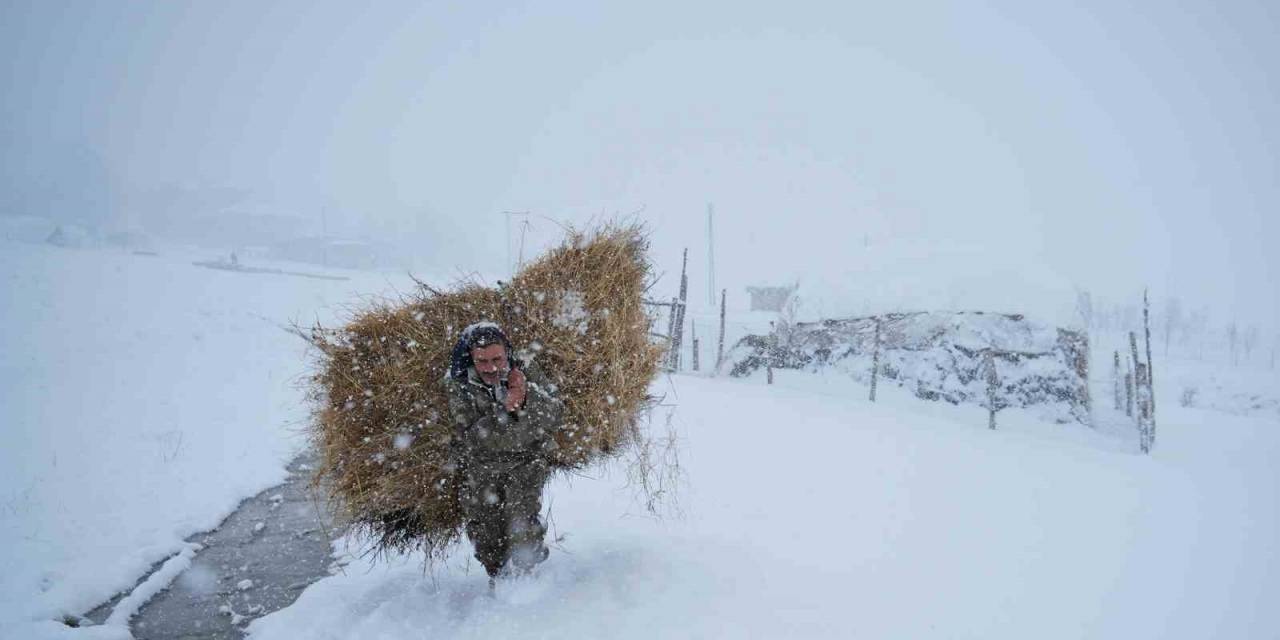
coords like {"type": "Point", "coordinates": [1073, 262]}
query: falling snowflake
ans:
{"type": "Point", "coordinates": [572, 313]}
{"type": "Point", "coordinates": [402, 441]}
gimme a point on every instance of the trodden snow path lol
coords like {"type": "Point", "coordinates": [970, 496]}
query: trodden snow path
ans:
{"type": "Point", "coordinates": [255, 562]}
{"type": "Point", "coordinates": [141, 400]}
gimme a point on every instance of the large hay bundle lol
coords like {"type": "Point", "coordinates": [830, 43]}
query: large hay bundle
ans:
{"type": "Point", "coordinates": [382, 425]}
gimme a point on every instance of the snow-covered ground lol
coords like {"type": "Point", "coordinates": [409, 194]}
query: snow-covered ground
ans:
{"type": "Point", "coordinates": [811, 512]}
{"type": "Point", "coordinates": [142, 397]}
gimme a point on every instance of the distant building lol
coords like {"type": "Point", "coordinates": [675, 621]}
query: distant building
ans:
{"type": "Point", "coordinates": [70, 236]}
{"type": "Point", "coordinates": [24, 228]}
{"type": "Point", "coordinates": [770, 298]}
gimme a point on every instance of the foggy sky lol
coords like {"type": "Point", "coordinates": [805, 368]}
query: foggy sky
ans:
{"type": "Point", "coordinates": [1122, 145]}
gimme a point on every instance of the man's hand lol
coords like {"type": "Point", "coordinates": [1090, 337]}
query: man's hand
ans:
{"type": "Point", "coordinates": [516, 389]}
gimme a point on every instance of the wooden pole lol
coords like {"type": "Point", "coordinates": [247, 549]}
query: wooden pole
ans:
{"type": "Point", "coordinates": [1128, 391]}
{"type": "Point", "coordinates": [1133, 352]}
{"type": "Point", "coordinates": [1144, 400]}
{"type": "Point", "coordinates": [1139, 380]}
{"type": "Point", "coordinates": [1116, 381]}
{"type": "Point", "coordinates": [993, 385]}
{"type": "Point", "coordinates": [771, 352]}
{"type": "Point", "coordinates": [693, 338]}
{"type": "Point", "coordinates": [720, 342]}
{"type": "Point", "coordinates": [684, 296]}
{"type": "Point", "coordinates": [1151, 373]}
{"type": "Point", "coordinates": [671, 335]}
{"type": "Point", "coordinates": [875, 360]}
{"type": "Point", "coordinates": [1144, 408]}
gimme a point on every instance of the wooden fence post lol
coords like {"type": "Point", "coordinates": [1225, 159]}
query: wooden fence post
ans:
{"type": "Point", "coordinates": [678, 347]}
{"type": "Point", "coordinates": [720, 342]}
{"type": "Point", "coordinates": [993, 385]}
{"type": "Point", "coordinates": [693, 337]}
{"type": "Point", "coordinates": [672, 345]}
{"type": "Point", "coordinates": [1128, 391]}
{"type": "Point", "coordinates": [1142, 394]}
{"type": "Point", "coordinates": [1133, 353]}
{"type": "Point", "coordinates": [771, 352]}
{"type": "Point", "coordinates": [1144, 407]}
{"type": "Point", "coordinates": [1116, 380]}
{"type": "Point", "coordinates": [875, 360]}
{"type": "Point", "coordinates": [1151, 372]}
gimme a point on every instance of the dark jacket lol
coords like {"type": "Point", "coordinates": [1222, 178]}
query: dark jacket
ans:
{"type": "Point", "coordinates": [483, 429]}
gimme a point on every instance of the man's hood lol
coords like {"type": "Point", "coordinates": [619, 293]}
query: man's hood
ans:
{"type": "Point", "coordinates": [460, 360]}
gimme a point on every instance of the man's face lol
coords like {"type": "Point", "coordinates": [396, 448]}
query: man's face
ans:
{"type": "Point", "coordinates": [491, 363]}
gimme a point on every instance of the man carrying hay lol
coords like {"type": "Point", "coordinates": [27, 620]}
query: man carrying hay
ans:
{"type": "Point", "coordinates": [415, 464]}
{"type": "Point", "coordinates": [505, 415]}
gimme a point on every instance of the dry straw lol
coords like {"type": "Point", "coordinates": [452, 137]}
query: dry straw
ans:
{"type": "Point", "coordinates": [381, 423]}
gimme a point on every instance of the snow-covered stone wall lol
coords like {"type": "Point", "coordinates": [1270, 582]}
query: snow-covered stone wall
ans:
{"type": "Point", "coordinates": [939, 356]}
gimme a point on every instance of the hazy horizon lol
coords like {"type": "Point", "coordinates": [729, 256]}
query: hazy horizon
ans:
{"type": "Point", "coordinates": [1118, 146]}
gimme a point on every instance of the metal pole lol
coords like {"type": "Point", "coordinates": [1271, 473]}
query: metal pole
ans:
{"type": "Point", "coordinates": [524, 227]}
{"type": "Point", "coordinates": [508, 214]}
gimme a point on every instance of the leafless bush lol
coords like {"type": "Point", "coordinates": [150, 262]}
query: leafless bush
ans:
{"type": "Point", "coordinates": [653, 466]}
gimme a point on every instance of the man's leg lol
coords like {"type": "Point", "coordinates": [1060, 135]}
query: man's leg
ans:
{"type": "Point", "coordinates": [523, 508]}
{"type": "Point", "coordinates": [488, 536]}
{"type": "Point", "coordinates": [486, 522]}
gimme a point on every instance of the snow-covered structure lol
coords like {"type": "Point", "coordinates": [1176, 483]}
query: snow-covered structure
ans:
{"type": "Point", "coordinates": [71, 236]}
{"type": "Point", "coordinates": [25, 228]}
{"type": "Point", "coordinates": [938, 356]}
